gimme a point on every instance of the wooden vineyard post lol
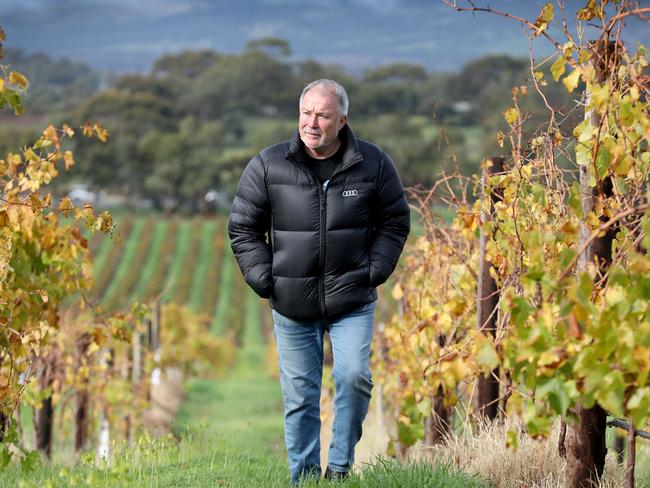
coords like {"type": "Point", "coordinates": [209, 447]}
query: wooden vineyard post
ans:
{"type": "Point", "coordinates": [82, 407]}
{"type": "Point", "coordinates": [107, 359]}
{"type": "Point", "coordinates": [631, 455]}
{"type": "Point", "coordinates": [154, 344]}
{"type": "Point", "coordinates": [4, 424]}
{"type": "Point", "coordinates": [44, 416]}
{"type": "Point", "coordinates": [437, 426]}
{"type": "Point", "coordinates": [487, 301]}
{"type": "Point", "coordinates": [585, 441]}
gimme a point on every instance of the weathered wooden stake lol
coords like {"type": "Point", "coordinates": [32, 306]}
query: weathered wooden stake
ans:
{"type": "Point", "coordinates": [44, 417]}
{"type": "Point", "coordinates": [586, 449]}
{"type": "Point", "coordinates": [487, 303]}
{"type": "Point", "coordinates": [83, 399]}
{"type": "Point", "coordinates": [437, 426]}
{"type": "Point", "coordinates": [631, 455]}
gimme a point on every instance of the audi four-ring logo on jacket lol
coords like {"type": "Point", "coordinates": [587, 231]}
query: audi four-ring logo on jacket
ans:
{"type": "Point", "coordinates": [350, 193]}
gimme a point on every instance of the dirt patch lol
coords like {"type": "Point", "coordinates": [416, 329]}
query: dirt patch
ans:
{"type": "Point", "coordinates": [167, 395]}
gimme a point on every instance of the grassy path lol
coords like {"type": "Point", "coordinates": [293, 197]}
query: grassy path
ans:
{"type": "Point", "coordinates": [240, 417]}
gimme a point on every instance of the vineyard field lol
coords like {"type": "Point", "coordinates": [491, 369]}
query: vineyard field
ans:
{"type": "Point", "coordinates": [184, 261]}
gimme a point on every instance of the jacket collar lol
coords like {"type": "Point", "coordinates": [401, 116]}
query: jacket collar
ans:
{"type": "Point", "coordinates": [351, 153]}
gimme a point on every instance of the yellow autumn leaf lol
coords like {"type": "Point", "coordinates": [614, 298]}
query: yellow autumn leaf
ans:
{"type": "Point", "coordinates": [18, 79]}
{"type": "Point", "coordinates": [66, 204]}
{"type": "Point", "coordinates": [511, 115]}
{"type": "Point", "coordinates": [571, 80]}
{"type": "Point", "coordinates": [558, 67]}
{"type": "Point", "coordinates": [43, 295]}
{"type": "Point", "coordinates": [102, 134]}
{"type": "Point", "coordinates": [397, 292]}
{"type": "Point", "coordinates": [459, 369]}
{"type": "Point", "coordinates": [68, 159]}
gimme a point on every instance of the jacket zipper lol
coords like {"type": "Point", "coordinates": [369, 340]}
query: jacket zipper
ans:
{"type": "Point", "coordinates": [321, 265]}
{"type": "Point", "coordinates": [322, 193]}
{"type": "Point", "coordinates": [323, 215]}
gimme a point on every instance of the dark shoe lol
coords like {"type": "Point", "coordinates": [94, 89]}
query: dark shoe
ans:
{"type": "Point", "coordinates": [332, 475]}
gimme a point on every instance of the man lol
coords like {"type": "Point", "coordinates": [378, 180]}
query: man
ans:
{"type": "Point", "coordinates": [334, 211]}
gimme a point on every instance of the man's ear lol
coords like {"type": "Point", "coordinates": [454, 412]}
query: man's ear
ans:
{"type": "Point", "coordinates": [342, 121]}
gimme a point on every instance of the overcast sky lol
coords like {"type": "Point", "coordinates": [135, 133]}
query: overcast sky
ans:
{"type": "Point", "coordinates": [126, 35]}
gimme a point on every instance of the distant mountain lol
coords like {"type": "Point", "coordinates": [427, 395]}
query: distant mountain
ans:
{"type": "Point", "coordinates": [122, 35]}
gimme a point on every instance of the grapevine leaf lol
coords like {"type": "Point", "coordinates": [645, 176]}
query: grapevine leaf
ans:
{"type": "Point", "coordinates": [30, 461]}
{"type": "Point", "coordinates": [639, 406]}
{"type": "Point", "coordinates": [571, 80]}
{"type": "Point", "coordinates": [5, 456]}
{"type": "Point", "coordinates": [545, 16]}
{"type": "Point", "coordinates": [554, 391]}
{"type": "Point", "coordinates": [18, 79]}
{"type": "Point", "coordinates": [520, 310]}
{"type": "Point", "coordinates": [487, 357]}
{"type": "Point", "coordinates": [511, 115]}
{"type": "Point", "coordinates": [558, 68]}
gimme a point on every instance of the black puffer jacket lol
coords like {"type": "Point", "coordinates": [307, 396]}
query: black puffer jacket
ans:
{"type": "Point", "coordinates": [329, 248]}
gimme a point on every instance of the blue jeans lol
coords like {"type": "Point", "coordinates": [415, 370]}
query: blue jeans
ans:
{"type": "Point", "coordinates": [300, 356]}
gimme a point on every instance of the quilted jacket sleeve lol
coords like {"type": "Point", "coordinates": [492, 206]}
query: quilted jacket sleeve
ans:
{"type": "Point", "coordinates": [249, 223]}
{"type": "Point", "coordinates": [392, 224]}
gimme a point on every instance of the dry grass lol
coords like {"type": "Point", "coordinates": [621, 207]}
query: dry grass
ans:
{"type": "Point", "coordinates": [535, 463]}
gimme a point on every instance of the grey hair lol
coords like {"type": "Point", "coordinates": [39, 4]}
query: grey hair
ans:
{"type": "Point", "coordinates": [330, 86]}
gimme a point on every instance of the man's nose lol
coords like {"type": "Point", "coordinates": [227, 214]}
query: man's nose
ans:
{"type": "Point", "coordinates": [313, 121]}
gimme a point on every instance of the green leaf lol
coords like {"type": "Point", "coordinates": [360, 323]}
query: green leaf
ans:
{"type": "Point", "coordinates": [639, 406]}
{"type": "Point", "coordinates": [574, 198]}
{"type": "Point", "coordinates": [625, 112]}
{"type": "Point", "coordinates": [5, 456]}
{"type": "Point", "coordinates": [603, 160]}
{"type": "Point", "coordinates": [11, 435]}
{"type": "Point", "coordinates": [611, 393]}
{"type": "Point", "coordinates": [555, 392]}
{"type": "Point", "coordinates": [520, 311]}
{"type": "Point", "coordinates": [566, 257]}
{"type": "Point", "coordinates": [30, 461]}
{"type": "Point", "coordinates": [410, 434]}
{"type": "Point", "coordinates": [487, 356]}
{"type": "Point", "coordinates": [558, 68]}
{"type": "Point", "coordinates": [534, 274]}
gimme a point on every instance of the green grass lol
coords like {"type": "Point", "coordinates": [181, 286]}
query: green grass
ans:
{"type": "Point", "coordinates": [225, 289]}
{"type": "Point", "coordinates": [125, 265]}
{"type": "Point", "coordinates": [212, 280]}
{"type": "Point", "coordinates": [206, 259]}
{"type": "Point", "coordinates": [154, 268]}
{"type": "Point", "coordinates": [183, 241]}
{"type": "Point", "coordinates": [100, 256]}
{"type": "Point", "coordinates": [188, 267]}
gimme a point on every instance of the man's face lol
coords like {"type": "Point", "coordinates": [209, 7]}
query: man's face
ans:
{"type": "Point", "coordinates": [319, 122]}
